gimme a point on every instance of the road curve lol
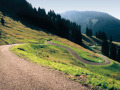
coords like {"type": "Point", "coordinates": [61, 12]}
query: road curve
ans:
{"type": "Point", "coordinates": [19, 74]}
{"type": "Point", "coordinates": [107, 61]}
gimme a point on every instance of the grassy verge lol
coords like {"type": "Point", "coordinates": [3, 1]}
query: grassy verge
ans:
{"type": "Point", "coordinates": [60, 59]}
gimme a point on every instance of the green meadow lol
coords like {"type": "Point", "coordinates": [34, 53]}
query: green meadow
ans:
{"type": "Point", "coordinates": [37, 50]}
{"type": "Point", "coordinates": [57, 58]}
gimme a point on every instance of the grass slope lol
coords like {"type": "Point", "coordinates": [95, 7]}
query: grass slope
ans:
{"type": "Point", "coordinates": [92, 43]}
{"type": "Point", "coordinates": [85, 55]}
{"type": "Point", "coordinates": [16, 32]}
{"type": "Point", "coordinates": [58, 58]}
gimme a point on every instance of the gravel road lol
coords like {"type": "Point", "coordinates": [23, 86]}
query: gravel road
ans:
{"type": "Point", "coordinates": [107, 61]}
{"type": "Point", "coordinates": [19, 74]}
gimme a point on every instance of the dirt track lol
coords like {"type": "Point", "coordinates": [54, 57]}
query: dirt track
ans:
{"type": "Point", "coordinates": [107, 61]}
{"type": "Point", "coordinates": [19, 74]}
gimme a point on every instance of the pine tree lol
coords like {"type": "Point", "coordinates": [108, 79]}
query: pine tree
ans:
{"type": "Point", "coordinates": [41, 12]}
{"type": "Point", "coordinates": [2, 21]}
{"type": "Point", "coordinates": [103, 36]}
{"type": "Point", "coordinates": [113, 51]}
{"type": "Point", "coordinates": [105, 48]}
{"type": "Point", "coordinates": [90, 32]}
{"type": "Point", "coordinates": [100, 35]}
{"type": "Point", "coordinates": [87, 31]}
{"type": "Point", "coordinates": [118, 55]}
{"type": "Point", "coordinates": [110, 38]}
{"type": "Point", "coordinates": [79, 36]}
{"type": "Point", "coordinates": [96, 34]}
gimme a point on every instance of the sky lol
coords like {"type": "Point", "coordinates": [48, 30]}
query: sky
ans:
{"type": "Point", "coordinates": [111, 7]}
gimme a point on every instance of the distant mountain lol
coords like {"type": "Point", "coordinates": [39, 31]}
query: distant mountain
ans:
{"type": "Point", "coordinates": [95, 20]}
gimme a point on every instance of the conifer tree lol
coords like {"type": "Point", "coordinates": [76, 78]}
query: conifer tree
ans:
{"type": "Point", "coordinates": [90, 32]}
{"type": "Point", "coordinates": [105, 48]}
{"type": "Point", "coordinates": [103, 36]}
{"type": "Point", "coordinates": [113, 51]}
{"type": "Point", "coordinates": [78, 36]}
{"type": "Point", "coordinates": [41, 12]}
{"type": "Point", "coordinates": [118, 55]}
{"type": "Point", "coordinates": [2, 21]}
{"type": "Point", "coordinates": [110, 38]}
{"type": "Point", "coordinates": [100, 35]}
{"type": "Point", "coordinates": [87, 31]}
{"type": "Point", "coordinates": [96, 34]}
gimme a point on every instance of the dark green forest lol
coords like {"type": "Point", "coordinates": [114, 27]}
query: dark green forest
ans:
{"type": "Point", "coordinates": [96, 21]}
{"type": "Point", "coordinates": [109, 49]}
{"type": "Point", "coordinates": [51, 22]}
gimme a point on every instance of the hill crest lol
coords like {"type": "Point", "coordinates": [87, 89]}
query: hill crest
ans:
{"type": "Point", "coordinates": [96, 21]}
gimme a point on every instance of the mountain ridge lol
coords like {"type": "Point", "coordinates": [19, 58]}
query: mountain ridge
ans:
{"type": "Point", "coordinates": [96, 21]}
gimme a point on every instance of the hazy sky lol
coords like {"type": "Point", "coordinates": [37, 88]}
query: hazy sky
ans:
{"type": "Point", "coordinates": [111, 7]}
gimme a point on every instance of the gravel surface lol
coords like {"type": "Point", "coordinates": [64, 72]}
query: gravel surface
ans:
{"type": "Point", "coordinates": [107, 61]}
{"type": "Point", "coordinates": [19, 74]}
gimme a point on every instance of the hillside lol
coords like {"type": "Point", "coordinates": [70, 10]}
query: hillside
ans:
{"type": "Point", "coordinates": [92, 43]}
{"type": "Point", "coordinates": [15, 32]}
{"type": "Point", "coordinates": [58, 58]}
{"type": "Point", "coordinates": [95, 20]}
{"type": "Point", "coordinates": [38, 17]}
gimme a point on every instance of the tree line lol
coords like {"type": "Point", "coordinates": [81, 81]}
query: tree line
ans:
{"type": "Point", "coordinates": [89, 32]}
{"type": "Point", "coordinates": [108, 48]}
{"type": "Point", "coordinates": [101, 35]}
{"type": "Point", "coordinates": [50, 21]}
{"type": "Point", "coordinates": [111, 50]}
